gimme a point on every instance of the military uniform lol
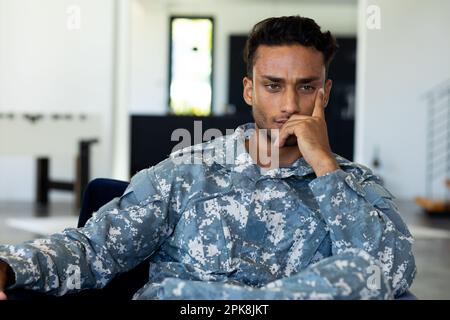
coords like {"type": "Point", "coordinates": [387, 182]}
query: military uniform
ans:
{"type": "Point", "coordinates": [220, 229]}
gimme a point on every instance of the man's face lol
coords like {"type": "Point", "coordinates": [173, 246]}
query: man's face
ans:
{"type": "Point", "coordinates": [285, 82]}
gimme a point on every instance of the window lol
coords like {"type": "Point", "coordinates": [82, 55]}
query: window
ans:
{"type": "Point", "coordinates": [190, 65]}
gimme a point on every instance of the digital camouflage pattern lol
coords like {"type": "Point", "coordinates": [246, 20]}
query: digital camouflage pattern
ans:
{"type": "Point", "coordinates": [218, 229]}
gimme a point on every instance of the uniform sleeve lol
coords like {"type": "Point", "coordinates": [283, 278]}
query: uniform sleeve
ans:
{"type": "Point", "coordinates": [118, 237]}
{"type": "Point", "coordinates": [360, 213]}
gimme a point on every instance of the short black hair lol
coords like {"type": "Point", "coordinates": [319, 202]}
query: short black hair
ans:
{"type": "Point", "coordinates": [289, 30]}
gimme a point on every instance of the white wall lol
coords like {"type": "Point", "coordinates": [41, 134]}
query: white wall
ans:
{"type": "Point", "coordinates": [396, 65]}
{"type": "Point", "coordinates": [47, 68]}
{"type": "Point", "coordinates": [150, 36]}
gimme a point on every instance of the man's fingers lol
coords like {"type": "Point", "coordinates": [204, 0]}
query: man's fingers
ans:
{"type": "Point", "coordinates": [284, 134]}
{"type": "Point", "coordinates": [319, 104]}
{"type": "Point", "coordinates": [3, 274]}
{"type": "Point", "coordinates": [2, 287]}
{"type": "Point", "coordinates": [288, 129]}
{"type": "Point", "coordinates": [297, 117]}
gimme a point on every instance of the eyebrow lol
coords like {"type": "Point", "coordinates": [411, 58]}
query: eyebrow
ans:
{"type": "Point", "coordinates": [281, 80]}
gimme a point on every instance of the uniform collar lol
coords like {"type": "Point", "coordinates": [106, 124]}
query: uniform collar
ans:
{"type": "Point", "coordinates": [232, 149]}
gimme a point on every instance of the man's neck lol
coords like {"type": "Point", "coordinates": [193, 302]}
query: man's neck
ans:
{"type": "Point", "coordinates": [262, 151]}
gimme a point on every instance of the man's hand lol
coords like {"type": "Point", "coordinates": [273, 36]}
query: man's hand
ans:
{"type": "Point", "coordinates": [312, 137]}
{"type": "Point", "coordinates": [3, 279]}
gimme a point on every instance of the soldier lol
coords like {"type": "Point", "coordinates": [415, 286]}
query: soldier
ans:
{"type": "Point", "coordinates": [306, 224]}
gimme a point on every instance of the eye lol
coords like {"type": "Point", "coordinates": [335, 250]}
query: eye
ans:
{"type": "Point", "coordinates": [307, 88]}
{"type": "Point", "coordinates": [273, 86]}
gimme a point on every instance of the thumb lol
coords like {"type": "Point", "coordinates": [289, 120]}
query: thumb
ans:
{"type": "Point", "coordinates": [2, 288]}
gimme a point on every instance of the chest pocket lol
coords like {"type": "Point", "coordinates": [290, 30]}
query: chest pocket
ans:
{"type": "Point", "coordinates": [283, 233]}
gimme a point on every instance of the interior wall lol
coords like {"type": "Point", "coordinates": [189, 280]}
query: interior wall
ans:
{"type": "Point", "coordinates": [49, 65]}
{"type": "Point", "coordinates": [397, 64]}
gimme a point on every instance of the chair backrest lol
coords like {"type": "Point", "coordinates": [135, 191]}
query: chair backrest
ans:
{"type": "Point", "coordinates": [98, 192]}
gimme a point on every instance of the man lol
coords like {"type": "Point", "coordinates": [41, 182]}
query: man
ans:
{"type": "Point", "coordinates": [304, 224]}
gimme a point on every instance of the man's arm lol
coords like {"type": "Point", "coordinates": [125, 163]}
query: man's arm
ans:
{"type": "Point", "coordinates": [358, 210]}
{"type": "Point", "coordinates": [360, 213]}
{"type": "Point", "coordinates": [118, 237]}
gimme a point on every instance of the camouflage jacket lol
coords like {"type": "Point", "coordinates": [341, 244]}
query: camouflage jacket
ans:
{"type": "Point", "coordinates": [216, 229]}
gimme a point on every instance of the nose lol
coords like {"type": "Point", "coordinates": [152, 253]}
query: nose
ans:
{"type": "Point", "coordinates": [291, 103]}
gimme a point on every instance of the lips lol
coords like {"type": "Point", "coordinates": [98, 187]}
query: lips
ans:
{"type": "Point", "coordinates": [280, 122]}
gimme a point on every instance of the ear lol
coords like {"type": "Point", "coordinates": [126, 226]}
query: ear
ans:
{"type": "Point", "coordinates": [328, 85]}
{"type": "Point", "coordinates": [248, 91]}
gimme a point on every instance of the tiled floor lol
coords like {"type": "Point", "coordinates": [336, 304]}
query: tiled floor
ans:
{"type": "Point", "coordinates": [432, 253]}
{"type": "Point", "coordinates": [26, 210]}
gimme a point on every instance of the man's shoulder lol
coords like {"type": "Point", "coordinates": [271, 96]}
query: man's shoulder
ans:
{"type": "Point", "coordinates": [355, 168]}
{"type": "Point", "coordinates": [194, 159]}
{"type": "Point", "coordinates": [199, 154]}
